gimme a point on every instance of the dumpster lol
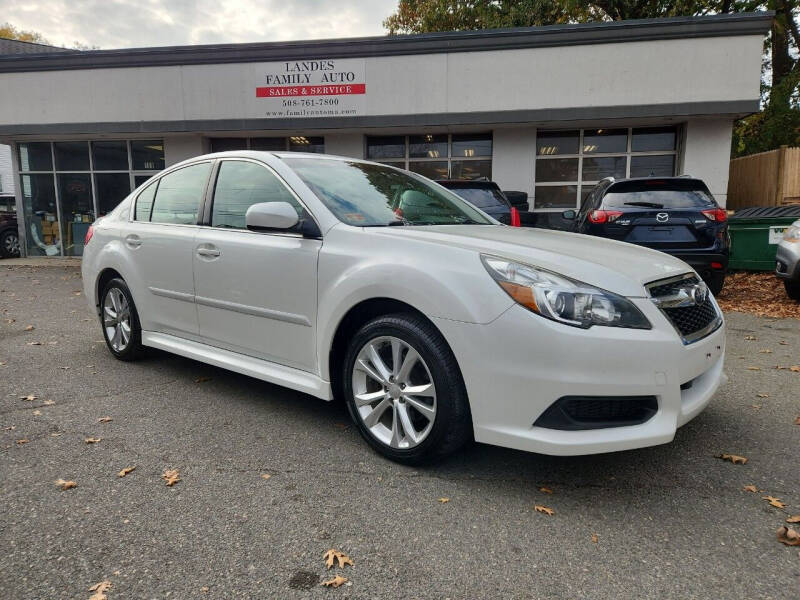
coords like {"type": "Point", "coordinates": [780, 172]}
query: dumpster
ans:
{"type": "Point", "coordinates": [755, 233]}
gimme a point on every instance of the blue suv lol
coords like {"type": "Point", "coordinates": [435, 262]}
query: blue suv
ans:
{"type": "Point", "coordinates": [677, 215]}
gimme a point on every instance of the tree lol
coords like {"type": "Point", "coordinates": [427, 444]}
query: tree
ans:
{"type": "Point", "coordinates": [777, 124]}
{"type": "Point", "coordinates": [9, 32]}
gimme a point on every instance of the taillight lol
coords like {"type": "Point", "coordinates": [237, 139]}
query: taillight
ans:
{"type": "Point", "coordinates": [89, 234]}
{"type": "Point", "coordinates": [515, 222]}
{"type": "Point", "coordinates": [716, 265]}
{"type": "Point", "coordinates": [715, 214]}
{"type": "Point", "coordinates": [604, 216]}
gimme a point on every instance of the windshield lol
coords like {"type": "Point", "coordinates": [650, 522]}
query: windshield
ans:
{"type": "Point", "coordinates": [484, 198]}
{"type": "Point", "coordinates": [369, 195]}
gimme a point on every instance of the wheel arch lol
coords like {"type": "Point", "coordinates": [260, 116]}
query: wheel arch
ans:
{"type": "Point", "coordinates": [106, 275]}
{"type": "Point", "coordinates": [353, 319]}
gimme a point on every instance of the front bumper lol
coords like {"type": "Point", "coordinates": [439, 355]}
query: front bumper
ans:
{"type": "Point", "coordinates": [518, 365]}
{"type": "Point", "coordinates": [788, 261]}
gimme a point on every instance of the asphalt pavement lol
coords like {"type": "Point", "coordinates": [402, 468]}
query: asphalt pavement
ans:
{"type": "Point", "coordinates": [671, 521]}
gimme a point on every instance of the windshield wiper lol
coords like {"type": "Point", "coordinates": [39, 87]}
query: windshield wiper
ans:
{"type": "Point", "coordinates": [645, 204]}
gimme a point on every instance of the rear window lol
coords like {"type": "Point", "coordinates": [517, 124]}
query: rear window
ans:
{"type": "Point", "coordinates": [482, 198]}
{"type": "Point", "coordinates": [675, 193]}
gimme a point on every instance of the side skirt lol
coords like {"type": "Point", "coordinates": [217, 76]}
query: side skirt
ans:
{"type": "Point", "coordinates": [295, 379]}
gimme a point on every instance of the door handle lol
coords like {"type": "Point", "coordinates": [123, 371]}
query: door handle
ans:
{"type": "Point", "coordinates": [209, 252]}
{"type": "Point", "coordinates": [133, 241]}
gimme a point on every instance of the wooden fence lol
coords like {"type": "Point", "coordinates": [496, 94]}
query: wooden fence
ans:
{"type": "Point", "coordinates": [765, 179]}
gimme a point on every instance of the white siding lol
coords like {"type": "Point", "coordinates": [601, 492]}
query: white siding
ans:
{"type": "Point", "coordinates": [707, 154]}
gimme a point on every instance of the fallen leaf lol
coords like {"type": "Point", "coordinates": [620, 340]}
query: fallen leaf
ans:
{"type": "Point", "coordinates": [336, 555]}
{"type": "Point", "coordinates": [125, 471]}
{"type": "Point", "coordinates": [783, 343]}
{"type": "Point", "coordinates": [543, 509]}
{"type": "Point", "coordinates": [265, 476]}
{"type": "Point", "coordinates": [795, 369]}
{"type": "Point", "coordinates": [765, 351]}
{"type": "Point", "coordinates": [92, 440]}
{"type": "Point", "coordinates": [29, 398]}
{"type": "Point", "coordinates": [10, 428]}
{"type": "Point", "coordinates": [773, 501]}
{"type": "Point", "coordinates": [444, 500]}
{"type": "Point", "coordinates": [66, 485]}
{"type": "Point", "coordinates": [3, 363]}
{"type": "Point", "coordinates": [64, 368]}
{"type": "Point", "coordinates": [794, 519]}
{"type": "Point", "coordinates": [171, 476]}
{"type": "Point", "coordinates": [756, 406]}
{"type": "Point", "coordinates": [753, 368]}
{"type": "Point", "coordinates": [797, 420]}
{"type": "Point", "coordinates": [750, 337]}
{"type": "Point", "coordinates": [37, 413]}
{"type": "Point", "coordinates": [34, 344]}
{"type": "Point", "coordinates": [104, 419]}
{"type": "Point", "coordinates": [335, 582]}
{"type": "Point", "coordinates": [788, 536]}
{"type": "Point", "coordinates": [545, 490]}
{"type": "Point", "coordinates": [204, 589]}
{"type": "Point", "coordinates": [48, 402]}
{"type": "Point", "coordinates": [733, 458]}
{"type": "Point", "coordinates": [23, 441]}
{"type": "Point", "coordinates": [750, 488]}
{"type": "Point", "coordinates": [595, 538]}
{"type": "Point", "coordinates": [202, 379]}
{"type": "Point", "coordinates": [763, 395]}
{"type": "Point", "coordinates": [100, 590]}
{"type": "Point", "coordinates": [30, 328]}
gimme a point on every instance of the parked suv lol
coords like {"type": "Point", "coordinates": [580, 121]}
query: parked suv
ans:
{"type": "Point", "coordinates": [487, 196]}
{"type": "Point", "coordinates": [9, 234]}
{"type": "Point", "coordinates": [677, 215]}
{"type": "Point", "coordinates": [788, 260]}
{"type": "Point", "coordinates": [434, 327]}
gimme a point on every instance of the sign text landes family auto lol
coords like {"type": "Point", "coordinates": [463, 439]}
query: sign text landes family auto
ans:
{"type": "Point", "coordinates": [312, 88]}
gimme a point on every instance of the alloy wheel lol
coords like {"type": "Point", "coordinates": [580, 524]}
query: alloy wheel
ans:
{"type": "Point", "coordinates": [117, 319]}
{"type": "Point", "coordinates": [393, 392]}
{"type": "Point", "coordinates": [11, 243]}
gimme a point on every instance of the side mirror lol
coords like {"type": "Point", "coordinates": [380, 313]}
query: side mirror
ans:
{"type": "Point", "coordinates": [271, 216]}
{"type": "Point", "coordinates": [569, 215]}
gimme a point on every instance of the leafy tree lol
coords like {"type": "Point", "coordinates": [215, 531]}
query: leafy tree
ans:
{"type": "Point", "coordinates": [9, 32]}
{"type": "Point", "coordinates": [777, 124]}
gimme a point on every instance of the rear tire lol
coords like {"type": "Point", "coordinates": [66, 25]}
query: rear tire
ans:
{"type": "Point", "coordinates": [388, 358]}
{"type": "Point", "coordinates": [792, 289]}
{"type": "Point", "coordinates": [9, 244]}
{"type": "Point", "coordinates": [716, 282]}
{"type": "Point", "coordinates": [120, 321]}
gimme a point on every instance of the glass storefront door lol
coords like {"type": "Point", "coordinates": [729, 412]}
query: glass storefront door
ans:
{"type": "Point", "coordinates": [66, 185]}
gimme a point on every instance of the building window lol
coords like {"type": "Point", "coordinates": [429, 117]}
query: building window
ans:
{"type": "Point", "coordinates": [65, 185]}
{"type": "Point", "coordinates": [436, 156]}
{"type": "Point", "coordinates": [570, 163]}
{"type": "Point", "coordinates": [296, 143]}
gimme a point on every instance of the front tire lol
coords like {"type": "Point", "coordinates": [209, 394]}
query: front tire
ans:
{"type": "Point", "coordinates": [120, 321]}
{"type": "Point", "coordinates": [404, 390]}
{"type": "Point", "coordinates": [792, 289]}
{"type": "Point", "coordinates": [9, 244]}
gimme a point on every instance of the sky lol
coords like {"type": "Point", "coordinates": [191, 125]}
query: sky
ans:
{"type": "Point", "coordinates": [140, 23]}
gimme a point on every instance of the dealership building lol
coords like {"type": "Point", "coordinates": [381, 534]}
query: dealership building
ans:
{"type": "Point", "coordinates": [548, 111]}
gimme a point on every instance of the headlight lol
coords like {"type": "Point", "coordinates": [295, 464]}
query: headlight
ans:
{"type": "Point", "coordinates": [562, 299]}
{"type": "Point", "coordinates": [792, 234]}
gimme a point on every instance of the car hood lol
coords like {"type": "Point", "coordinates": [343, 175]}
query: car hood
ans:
{"type": "Point", "coordinates": [614, 266]}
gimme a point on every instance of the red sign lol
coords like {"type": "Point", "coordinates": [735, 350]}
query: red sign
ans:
{"type": "Point", "coordinates": [283, 91]}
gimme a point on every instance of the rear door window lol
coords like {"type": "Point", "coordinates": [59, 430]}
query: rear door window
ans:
{"type": "Point", "coordinates": [179, 195]}
{"type": "Point", "coordinates": [144, 202]}
{"type": "Point", "coordinates": [240, 184]}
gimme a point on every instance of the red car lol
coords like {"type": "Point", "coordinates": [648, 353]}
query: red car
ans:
{"type": "Point", "coordinates": [9, 234]}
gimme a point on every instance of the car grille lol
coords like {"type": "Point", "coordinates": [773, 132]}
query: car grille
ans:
{"type": "Point", "coordinates": [692, 322]}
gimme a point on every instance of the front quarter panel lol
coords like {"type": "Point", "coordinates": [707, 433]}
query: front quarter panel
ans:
{"type": "Point", "coordinates": [358, 264]}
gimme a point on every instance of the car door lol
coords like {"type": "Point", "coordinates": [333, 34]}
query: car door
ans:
{"type": "Point", "coordinates": [159, 241]}
{"type": "Point", "coordinates": [256, 292]}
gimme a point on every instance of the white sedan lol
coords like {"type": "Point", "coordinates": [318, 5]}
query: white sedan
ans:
{"type": "Point", "coordinates": [436, 324]}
